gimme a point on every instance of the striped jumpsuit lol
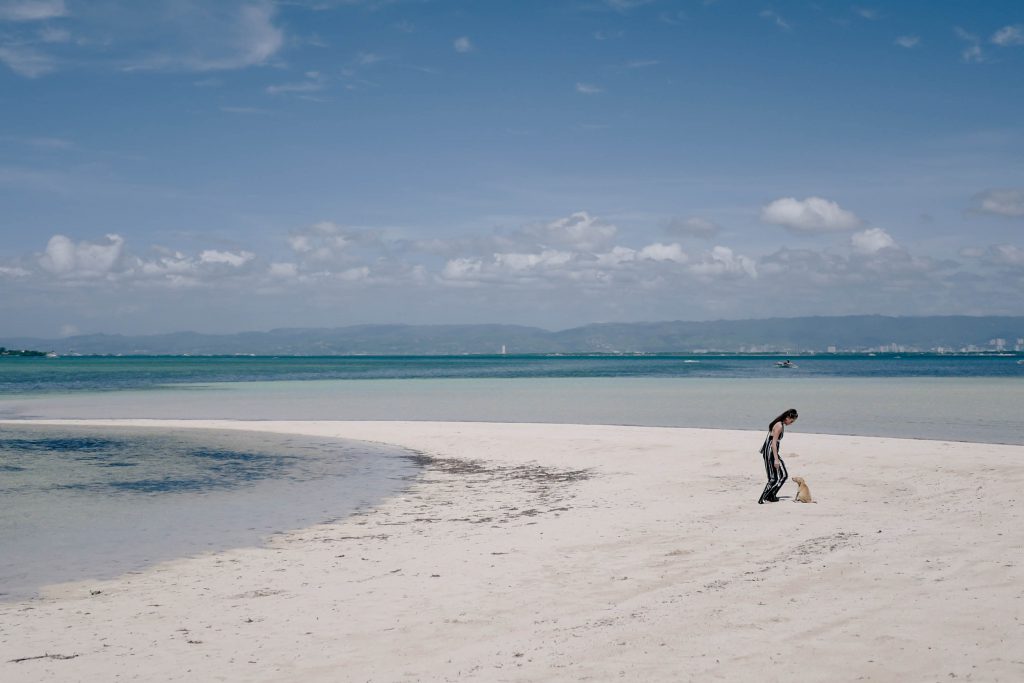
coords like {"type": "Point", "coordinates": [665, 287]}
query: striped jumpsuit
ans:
{"type": "Point", "coordinates": [776, 477]}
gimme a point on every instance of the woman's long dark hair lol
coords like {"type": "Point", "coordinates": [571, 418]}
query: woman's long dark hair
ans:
{"type": "Point", "coordinates": [789, 413]}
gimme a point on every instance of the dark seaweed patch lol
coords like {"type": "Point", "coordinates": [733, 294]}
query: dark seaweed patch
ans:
{"type": "Point", "coordinates": [163, 485]}
{"type": "Point", "coordinates": [225, 454]}
{"type": "Point", "coordinates": [62, 444]}
{"type": "Point", "coordinates": [167, 485]}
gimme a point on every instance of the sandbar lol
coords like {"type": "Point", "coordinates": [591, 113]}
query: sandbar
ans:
{"type": "Point", "coordinates": [546, 552]}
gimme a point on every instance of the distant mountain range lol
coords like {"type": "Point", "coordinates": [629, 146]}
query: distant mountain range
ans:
{"type": "Point", "coordinates": [782, 335]}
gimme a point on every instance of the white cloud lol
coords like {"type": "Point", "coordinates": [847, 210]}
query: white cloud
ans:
{"type": "Point", "coordinates": [578, 250]}
{"type": "Point", "coordinates": [549, 257]}
{"type": "Point", "coordinates": [231, 258]}
{"type": "Point", "coordinates": [521, 262]}
{"type": "Point", "coordinates": [300, 243]}
{"type": "Point", "coordinates": [811, 215]}
{"type": "Point", "coordinates": [510, 267]}
{"type": "Point", "coordinates": [577, 261]}
{"type": "Point", "coordinates": [65, 258]}
{"type": "Point", "coordinates": [866, 13]}
{"type": "Point", "coordinates": [1009, 35]}
{"type": "Point", "coordinates": [314, 82]}
{"type": "Point", "coordinates": [871, 240]}
{"type": "Point", "coordinates": [588, 89]}
{"type": "Point", "coordinates": [254, 37]}
{"type": "Point", "coordinates": [722, 261]}
{"type": "Point", "coordinates": [663, 252]}
{"type": "Point", "coordinates": [221, 36]}
{"type": "Point", "coordinates": [327, 241]}
{"type": "Point", "coordinates": [65, 261]}
{"type": "Point", "coordinates": [167, 264]}
{"type": "Point", "coordinates": [176, 269]}
{"type": "Point", "coordinates": [354, 274]}
{"type": "Point", "coordinates": [13, 271]}
{"type": "Point", "coordinates": [32, 10]}
{"type": "Point", "coordinates": [551, 266]}
{"type": "Point", "coordinates": [462, 269]}
{"type": "Point", "coordinates": [1006, 255]}
{"type": "Point", "coordinates": [574, 260]}
{"type": "Point", "coordinates": [908, 41]}
{"type": "Point", "coordinates": [695, 226]}
{"type": "Point", "coordinates": [775, 17]}
{"type": "Point", "coordinates": [27, 61]}
{"type": "Point", "coordinates": [283, 270]}
{"type": "Point", "coordinates": [463, 44]}
{"type": "Point", "coordinates": [626, 5]}
{"type": "Point", "coordinates": [165, 35]}
{"type": "Point", "coordinates": [972, 54]}
{"type": "Point", "coordinates": [1002, 202]}
{"type": "Point", "coordinates": [617, 256]}
{"type": "Point", "coordinates": [579, 230]}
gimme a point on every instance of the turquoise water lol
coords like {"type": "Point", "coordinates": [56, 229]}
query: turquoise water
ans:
{"type": "Point", "coordinates": [966, 397]}
{"type": "Point", "coordinates": [937, 403]}
{"type": "Point", "coordinates": [33, 376]}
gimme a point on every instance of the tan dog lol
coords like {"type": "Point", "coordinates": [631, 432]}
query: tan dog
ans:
{"type": "Point", "coordinates": [804, 494]}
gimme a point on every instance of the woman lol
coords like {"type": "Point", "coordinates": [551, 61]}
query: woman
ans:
{"type": "Point", "coordinates": [773, 465]}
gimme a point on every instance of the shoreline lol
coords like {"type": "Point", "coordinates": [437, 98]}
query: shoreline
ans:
{"type": "Point", "coordinates": [567, 552]}
{"type": "Point", "coordinates": [969, 410]}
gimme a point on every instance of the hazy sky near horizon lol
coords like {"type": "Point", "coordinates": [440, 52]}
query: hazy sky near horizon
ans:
{"type": "Point", "coordinates": [249, 164]}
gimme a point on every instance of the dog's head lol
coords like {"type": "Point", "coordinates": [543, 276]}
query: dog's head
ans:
{"type": "Point", "coordinates": [799, 480]}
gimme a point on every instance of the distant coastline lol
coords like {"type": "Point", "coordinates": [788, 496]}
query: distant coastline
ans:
{"type": "Point", "coordinates": [773, 336]}
{"type": "Point", "coordinates": [22, 353]}
{"type": "Point", "coordinates": [706, 353]}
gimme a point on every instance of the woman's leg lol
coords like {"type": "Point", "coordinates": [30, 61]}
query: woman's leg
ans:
{"type": "Point", "coordinates": [769, 469]}
{"type": "Point", "coordinates": [782, 474]}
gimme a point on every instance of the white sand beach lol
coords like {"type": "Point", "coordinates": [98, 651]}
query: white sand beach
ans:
{"type": "Point", "coordinates": [530, 552]}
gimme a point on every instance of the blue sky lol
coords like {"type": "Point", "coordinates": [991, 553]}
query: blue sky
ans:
{"type": "Point", "coordinates": [249, 164]}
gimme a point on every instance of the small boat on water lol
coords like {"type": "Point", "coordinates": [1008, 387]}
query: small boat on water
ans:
{"type": "Point", "coordinates": [785, 364]}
